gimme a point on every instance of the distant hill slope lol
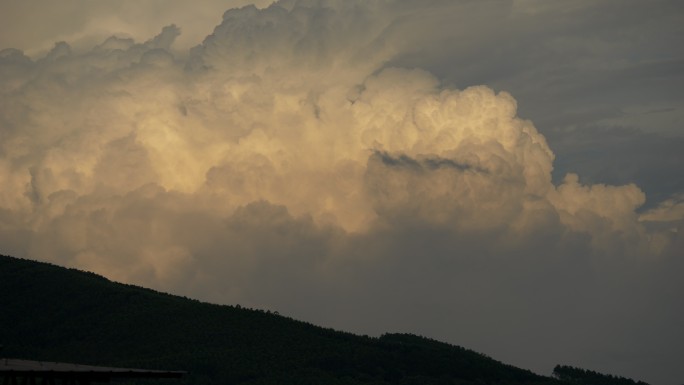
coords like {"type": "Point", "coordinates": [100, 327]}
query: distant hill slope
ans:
{"type": "Point", "coordinates": [587, 377]}
{"type": "Point", "coordinates": [52, 313]}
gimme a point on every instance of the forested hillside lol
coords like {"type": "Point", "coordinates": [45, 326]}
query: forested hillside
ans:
{"type": "Point", "coordinates": [57, 314]}
{"type": "Point", "coordinates": [589, 377]}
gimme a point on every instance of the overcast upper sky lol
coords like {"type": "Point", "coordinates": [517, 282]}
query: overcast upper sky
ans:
{"type": "Point", "coordinates": [503, 175]}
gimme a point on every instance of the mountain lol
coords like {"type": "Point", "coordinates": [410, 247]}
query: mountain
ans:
{"type": "Point", "coordinates": [50, 313]}
{"type": "Point", "coordinates": [587, 377]}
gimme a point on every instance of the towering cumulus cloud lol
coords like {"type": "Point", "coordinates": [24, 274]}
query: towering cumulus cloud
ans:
{"type": "Point", "coordinates": [283, 163]}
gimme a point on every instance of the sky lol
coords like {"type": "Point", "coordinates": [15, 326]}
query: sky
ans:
{"type": "Point", "coordinates": [507, 176]}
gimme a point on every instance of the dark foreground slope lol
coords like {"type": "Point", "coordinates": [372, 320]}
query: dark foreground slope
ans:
{"type": "Point", "coordinates": [57, 314]}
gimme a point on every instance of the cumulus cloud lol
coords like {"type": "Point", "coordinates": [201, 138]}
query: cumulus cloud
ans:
{"type": "Point", "coordinates": [586, 69]}
{"type": "Point", "coordinates": [287, 162]}
{"type": "Point", "coordinates": [34, 25]}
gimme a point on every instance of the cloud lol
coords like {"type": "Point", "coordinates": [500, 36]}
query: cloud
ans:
{"type": "Point", "coordinates": [618, 155]}
{"type": "Point", "coordinates": [667, 211]}
{"type": "Point", "coordinates": [34, 25]}
{"type": "Point", "coordinates": [288, 162]}
{"type": "Point", "coordinates": [577, 70]}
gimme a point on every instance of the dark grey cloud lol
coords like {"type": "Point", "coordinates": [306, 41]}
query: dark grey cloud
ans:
{"type": "Point", "coordinates": [428, 163]}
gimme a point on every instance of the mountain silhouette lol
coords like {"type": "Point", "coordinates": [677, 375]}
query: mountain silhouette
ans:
{"type": "Point", "coordinates": [51, 313]}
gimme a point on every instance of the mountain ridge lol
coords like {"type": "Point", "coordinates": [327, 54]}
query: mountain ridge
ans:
{"type": "Point", "coordinates": [51, 313]}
